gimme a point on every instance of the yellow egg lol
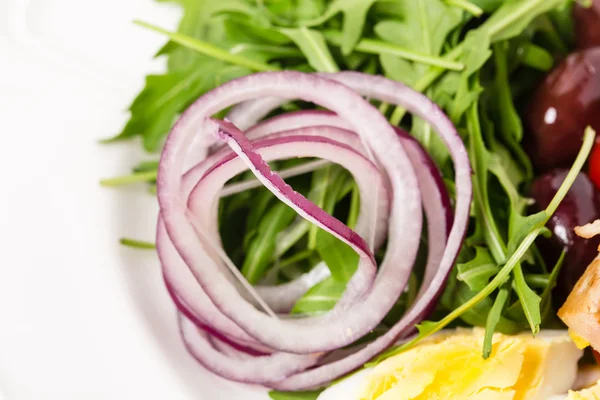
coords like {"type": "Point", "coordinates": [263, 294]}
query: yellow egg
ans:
{"type": "Point", "coordinates": [450, 366]}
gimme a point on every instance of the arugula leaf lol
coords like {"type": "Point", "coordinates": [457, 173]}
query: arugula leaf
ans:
{"type": "Point", "coordinates": [327, 189]}
{"type": "Point", "coordinates": [261, 250]}
{"type": "Point", "coordinates": [340, 258]}
{"type": "Point", "coordinates": [480, 159]}
{"type": "Point", "coordinates": [275, 395]}
{"type": "Point", "coordinates": [196, 22]}
{"type": "Point", "coordinates": [154, 110]}
{"type": "Point", "coordinates": [476, 53]}
{"type": "Point", "coordinates": [530, 301]}
{"type": "Point", "coordinates": [313, 46]}
{"type": "Point", "coordinates": [487, 5]}
{"type": "Point", "coordinates": [520, 226]}
{"type": "Point", "coordinates": [398, 69]}
{"type": "Point", "coordinates": [241, 31]}
{"type": "Point", "coordinates": [355, 15]}
{"type": "Point", "coordinates": [492, 321]}
{"type": "Point", "coordinates": [320, 298]}
{"type": "Point", "coordinates": [477, 272]}
{"type": "Point", "coordinates": [514, 16]}
{"type": "Point", "coordinates": [423, 27]}
{"type": "Point", "coordinates": [505, 271]}
{"type": "Point", "coordinates": [260, 202]}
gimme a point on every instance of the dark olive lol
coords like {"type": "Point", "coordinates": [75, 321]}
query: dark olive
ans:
{"type": "Point", "coordinates": [563, 105]}
{"type": "Point", "coordinates": [580, 206]}
{"type": "Point", "coordinates": [587, 21]}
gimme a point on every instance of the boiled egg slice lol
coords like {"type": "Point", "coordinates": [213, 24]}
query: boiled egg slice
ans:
{"type": "Point", "coordinates": [450, 366]}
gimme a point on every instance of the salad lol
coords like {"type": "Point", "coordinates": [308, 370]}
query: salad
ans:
{"type": "Point", "coordinates": [343, 183]}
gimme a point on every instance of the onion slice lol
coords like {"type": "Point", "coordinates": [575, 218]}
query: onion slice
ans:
{"type": "Point", "coordinates": [237, 340]}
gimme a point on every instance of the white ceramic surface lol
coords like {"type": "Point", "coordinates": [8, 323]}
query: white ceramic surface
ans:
{"type": "Point", "coordinates": [80, 316]}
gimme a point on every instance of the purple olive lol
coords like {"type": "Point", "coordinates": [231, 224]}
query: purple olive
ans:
{"type": "Point", "coordinates": [587, 21]}
{"type": "Point", "coordinates": [580, 206]}
{"type": "Point", "coordinates": [563, 105]}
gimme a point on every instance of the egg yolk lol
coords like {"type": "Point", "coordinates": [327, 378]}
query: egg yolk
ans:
{"type": "Point", "coordinates": [452, 368]}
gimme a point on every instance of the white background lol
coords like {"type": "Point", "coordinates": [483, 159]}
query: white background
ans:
{"type": "Point", "coordinates": [80, 316]}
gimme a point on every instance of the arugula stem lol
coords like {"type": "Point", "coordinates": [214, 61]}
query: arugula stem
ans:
{"type": "Point", "coordinates": [503, 274]}
{"type": "Point", "coordinates": [375, 46]}
{"type": "Point", "coordinates": [138, 244]}
{"type": "Point", "coordinates": [209, 49]}
{"type": "Point", "coordinates": [129, 179]}
{"type": "Point", "coordinates": [466, 5]}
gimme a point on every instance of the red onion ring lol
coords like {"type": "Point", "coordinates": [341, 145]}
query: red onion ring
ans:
{"type": "Point", "coordinates": [192, 300]}
{"type": "Point", "coordinates": [319, 333]}
{"type": "Point", "coordinates": [306, 336]}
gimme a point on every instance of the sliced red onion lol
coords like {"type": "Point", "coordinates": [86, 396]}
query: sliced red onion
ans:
{"type": "Point", "coordinates": [323, 333]}
{"type": "Point", "coordinates": [364, 172]}
{"type": "Point", "coordinates": [437, 208]}
{"type": "Point", "coordinates": [258, 369]}
{"type": "Point", "coordinates": [178, 275]}
{"type": "Point", "coordinates": [396, 93]}
{"type": "Point", "coordinates": [239, 332]}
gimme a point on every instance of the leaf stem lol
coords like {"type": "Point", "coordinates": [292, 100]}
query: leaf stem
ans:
{"type": "Point", "coordinates": [209, 49]}
{"type": "Point", "coordinates": [129, 179]}
{"type": "Point", "coordinates": [138, 244]}
{"type": "Point", "coordinates": [375, 46]}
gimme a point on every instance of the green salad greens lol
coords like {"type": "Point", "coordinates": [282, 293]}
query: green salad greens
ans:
{"type": "Point", "coordinates": [477, 59]}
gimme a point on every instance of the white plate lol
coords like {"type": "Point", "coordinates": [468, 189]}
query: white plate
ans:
{"type": "Point", "coordinates": [80, 316]}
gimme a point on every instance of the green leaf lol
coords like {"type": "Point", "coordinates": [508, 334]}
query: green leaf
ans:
{"type": "Point", "coordinates": [320, 298]}
{"type": "Point", "coordinates": [294, 395]}
{"type": "Point", "coordinates": [313, 46]}
{"type": "Point", "coordinates": [340, 258]}
{"type": "Point", "coordinates": [355, 15]}
{"type": "Point", "coordinates": [514, 16]}
{"type": "Point", "coordinates": [258, 205]}
{"type": "Point", "coordinates": [423, 25]}
{"type": "Point", "coordinates": [426, 327]}
{"type": "Point", "coordinates": [480, 160]}
{"type": "Point", "coordinates": [154, 110]}
{"type": "Point", "coordinates": [476, 53]}
{"type": "Point", "coordinates": [530, 301]}
{"type": "Point", "coordinates": [198, 23]}
{"type": "Point", "coordinates": [488, 6]}
{"type": "Point", "coordinates": [492, 321]}
{"type": "Point", "coordinates": [164, 96]}
{"type": "Point", "coordinates": [536, 57]}
{"type": "Point", "coordinates": [398, 69]}
{"type": "Point", "coordinates": [508, 119]}
{"type": "Point", "coordinates": [327, 188]}
{"type": "Point", "coordinates": [520, 226]}
{"type": "Point", "coordinates": [477, 272]}
{"type": "Point", "coordinates": [242, 31]}
{"type": "Point", "coordinates": [209, 49]}
{"type": "Point", "coordinates": [509, 180]}
{"type": "Point", "coordinates": [262, 249]}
